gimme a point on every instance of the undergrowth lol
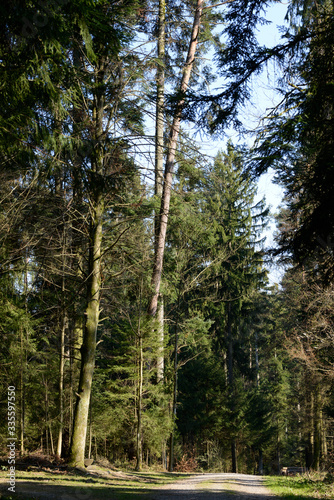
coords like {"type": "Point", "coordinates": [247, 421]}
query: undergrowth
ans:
{"type": "Point", "coordinates": [303, 487]}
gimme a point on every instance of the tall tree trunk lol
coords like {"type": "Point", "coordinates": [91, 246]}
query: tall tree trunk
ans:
{"type": "Point", "coordinates": [139, 451]}
{"type": "Point", "coordinates": [174, 408]}
{"type": "Point", "coordinates": [231, 384]}
{"type": "Point", "coordinates": [260, 468]}
{"type": "Point", "coordinates": [90, 429]}
{"type": "Point", "coordinates": [47, 424]}
{"type": "Point", "coordinates": [309, 448]}
{"type": "Point", "coordinates": [139, 441]}
{"type": "Point", "coordinates": [77, 450]}
{"type": "Point", "coordinates": [160, 107]}
{"type": "Point", "coordinates": [92, 313]}
{"type": "Point", "coordinates": [159, 161]}
{"type": "Point", "coordinates": [160, 333]}
{"type": "Point", "coordinates": [257, 361]}
{"type": "Point", "coordinates": [317, 428]}
{"type": "Point", "coordinates": [51, 439]}
{"type": "Point", "coordinates": [62, 349]}
{"type": "Point", "coordinates": [324, 451]}
{"type": "Point", "coordinates": [61, 385]}
{"type": "Point", "coordinates": [278, 454]}
{"type": "Point", "coordinates": [95, 443]}
{"type": "Point", "coordinates": [76, 338]}
{"type": "Point", "coordinates": [22, 392]}
{"type": "Point", "coordinates": [299, 420]}
{"type": "Point", "coordinates": [169, 168]}
{"type": "Point", "coordinates": [24, 360]}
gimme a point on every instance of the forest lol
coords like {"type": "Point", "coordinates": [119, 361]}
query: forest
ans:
{"type": "Point", "coordinates": [137, 317]}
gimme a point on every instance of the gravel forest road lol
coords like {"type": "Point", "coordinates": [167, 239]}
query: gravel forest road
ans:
{"type": "Point", "coordinates": [198, 487]}
{"type": "Point", "coordinates": [216, 487]}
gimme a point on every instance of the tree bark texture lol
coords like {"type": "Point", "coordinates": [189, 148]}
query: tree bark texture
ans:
{"type": "Point", "coordinates": [62, 350]}
{"type": "Point", "coordinates": [159, 117]}
{"type": "Point", "coordinates": [61, 387]}
{"type": "Point", "coordinates": [169, 168]}
{"type": "Point", "coordinates": [88, 348]}
{"type": "Point", "coordinates": [161, 336]}
{"type": "Point", "coordinates": [77, 451]}
{"type": "Point", "coordinates": [139, 453]}
{"type": "Point", "coordinates": [317, 429]}
{"type": "Point", "coordinates": [22, 394]}
{"type": "Point", "coordinates": [231, 383]}
{"type": "Point", "coordinates": [174, 408]}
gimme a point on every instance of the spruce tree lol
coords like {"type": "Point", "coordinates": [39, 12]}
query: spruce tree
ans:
{"type": "Point", "coordinates": [235, 226]}
{"type": "Point", "coordinates": [297, 139]}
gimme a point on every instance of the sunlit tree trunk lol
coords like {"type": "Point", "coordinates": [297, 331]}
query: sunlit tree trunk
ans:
{"type": "Point", "coordinates": [22, 393]}
{"type": "Point", "coordinates": [75, 341]}
{"type": "Point", "coordinates": [88, 348]}
{"type": "Point", "coordinates": [160, 106]}
{"type": "Point", "coordinates": [169, 168]}
{"type": "Point", "coordinates": [161, 337]}
{"type": "Point", "coordinates": [61, 385]}
{"type": "Point", "coordinates": [159, 160]}
{"type": "Point", "coordinates": [257, 361]}
{"type": "Point", "coordinates": [62, 349]}
{"type": "Point", "coordinates": [140, 383]}
{"type": "Point", "coordinates": [139, 444]}
{"type": "Point", "coordinates": [24, 361]}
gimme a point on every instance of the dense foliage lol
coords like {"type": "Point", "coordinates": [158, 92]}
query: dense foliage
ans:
{"type": "Point", "coordinates": [227, 373]}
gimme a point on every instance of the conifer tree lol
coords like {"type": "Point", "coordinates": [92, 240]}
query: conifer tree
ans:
{"type": "Point", "coordinates": [235, 224]}
{"type": "Point", "coordinates": [297, 138]}
{"type": "Point", "coordinates": [107, 163]}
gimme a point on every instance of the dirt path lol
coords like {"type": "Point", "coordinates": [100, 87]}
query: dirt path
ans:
{"type": "Point", "coordinates": [201, 487]}
{"type": "Point", "coordinates": [216, 487]}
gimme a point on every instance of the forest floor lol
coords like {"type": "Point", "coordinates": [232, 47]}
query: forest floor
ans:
{"type": "Point", "coordinates": [101, 484]}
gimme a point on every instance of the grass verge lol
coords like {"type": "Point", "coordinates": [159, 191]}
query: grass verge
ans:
{"type": "Point", "coordinates": [302, 487]}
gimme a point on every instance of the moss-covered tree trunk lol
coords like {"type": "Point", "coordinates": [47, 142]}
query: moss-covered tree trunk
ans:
{"type": "Point", "coordinates": [88, 348]}
{"type": "Point", "coordinates": [77, 451]}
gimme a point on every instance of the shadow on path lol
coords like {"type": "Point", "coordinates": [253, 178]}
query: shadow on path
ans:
{"type": "Point", "coordinates": [201, 487]}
